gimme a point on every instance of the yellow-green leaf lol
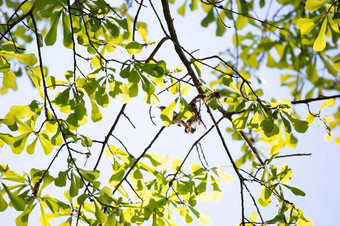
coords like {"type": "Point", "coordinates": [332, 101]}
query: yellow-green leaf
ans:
{"type": "Point", "coordinates": [313, 5]}
{"type": "Point", "coordinates": [27, 59]}
{"type": "Point", "coordinates": [133, 48]}
{"type": "Point", "coordinates": [96, 115]}
{"type": "Point", "coordinates": [17, 202]}
{"type": "Point", "coordinates": [52, 82]}
{"type": "Point", "coordinates": [168, 114]}
{"type": "Point", "coordinates": [9, 80]}
{"type": "Point", "coordinates": [141, 27]}
{"type": "Point", "coordinates": [337, 64]}
{"type": "Point", "coordinates": [26, 7]}
{"type": "Point", "coordinates": [181, 10]}
{"type": "Point", "coordinates": [45, 143]}
{"type": "Point", "coordinates": [320, 42]}
{"type": "Point", "coordinates": [305, 25]}
{"type": "Point", "coordinates": [305, 221]}
{"type": "Point", "coordinates": [3, 204]}
{"type": "Point", "coordinates": [35, 75]}
{"type": "Point", "coordinates": [100, 215]}
{"type": "Point", "coordinates": [176, 163]}
{"type": "Point", "coordinates": [30, 148]}
{"type": "Point", "coordinates": [265, 197]}
{"type": "Point", "coordinates": [43, 219]}
{"type": "Point", "coordinates": [19, 143]}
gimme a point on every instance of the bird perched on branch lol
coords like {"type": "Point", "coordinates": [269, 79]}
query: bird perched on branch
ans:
{"type": "Point", "coordinates": [176, 121]}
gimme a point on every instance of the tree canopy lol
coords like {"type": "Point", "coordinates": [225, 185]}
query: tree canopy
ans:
{"type": "Point", "coordinates": [126, 69]}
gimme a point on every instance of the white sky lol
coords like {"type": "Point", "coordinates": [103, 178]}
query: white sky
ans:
{"type": "Point", "coordinates": [316, 175]}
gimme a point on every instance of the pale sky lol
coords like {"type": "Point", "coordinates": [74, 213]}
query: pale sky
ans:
{"type": "Point", "coordinates": [315, 175]}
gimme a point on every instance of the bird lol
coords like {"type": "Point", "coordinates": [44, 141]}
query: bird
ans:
{"type": "Point", "coordinates": [176, 121]}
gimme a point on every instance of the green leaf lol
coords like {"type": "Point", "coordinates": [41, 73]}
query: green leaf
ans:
{"type": "Point", "coordinates": [125, 72]}
{"type": "Point", "coordinates": [221, 29]}
{"type": "Point", "coordinates": [51, 35]}
{"type": "Point", "coordinates": [336, 17]}
{"type": "Point", "coordinates": [313, 5]}
{"type": "Point", "coordinates": [320, 42]}
{"type": "Point", "coordinates": [329, 66]}
{"type": "Point", "coordinates": [240, 122]}
{"type": "Point", "coordinates": [22, 219]}
{"type": "Point", "coordinates": [81, 199]}
{"type": "Point", "coordinates": [17, 202]}
{"type": "Point", "coordinates": [134, 47]}
{"type": "Point", "coordinates": [123, 23]}
{"type": "Point", "coordinates": [154, 158]}
{"type": "Point", "coordinates": [267, 125]}
{"type": "Point", "coordinates": [209, 18]}
{"type": "Point", "coordinates": [100, 215]}
{"type": "Point", "coordinates": [295, 191]}
{"type": "Point", "coordinates": [133, 76]}
{"type": "Point", "coordinates": [113, 29]}
{"type": "Point", "coordinates": [299, 125]}
{"type": "Point", "coordinates": [73, 186]}
{"type": "Point", "coordinates": [96, 115]}
{"type": "Point", "coordinates": [3, 203]}
{"type": "Point", "coordinates": [90, 176]}
{"type": "Point", "coordinates": [156, 70]}
{"type": "Point", "coordinates": [60, 181]}
{"type": "Point", "coordinates": [67, 34]}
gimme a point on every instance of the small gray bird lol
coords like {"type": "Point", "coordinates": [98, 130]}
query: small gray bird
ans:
{"type": "Point", "coordinates": [176, 121]}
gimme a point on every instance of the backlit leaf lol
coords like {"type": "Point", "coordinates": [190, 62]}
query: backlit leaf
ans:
{"type": "Point", "coordinates": [204, 219]}
{"type": "Point", "coordinates": [96, 115]}
{"type": "Point", "coordinates": [134, 47]}
{"type": "Point", "coordinates": [320, 42]}
{"type": "Point", "coordinates": [168, 114]}
{"type": "Point", "coordinates": [313, 5]}
{"type": "Point", "coordinates": [9, 80]}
